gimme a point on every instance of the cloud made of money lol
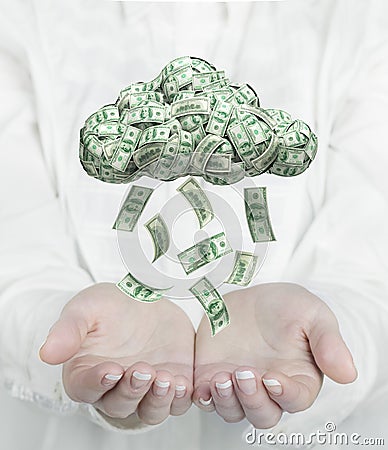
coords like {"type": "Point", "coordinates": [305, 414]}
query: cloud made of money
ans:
{"type": "Point", "coordinates": [191, 120]}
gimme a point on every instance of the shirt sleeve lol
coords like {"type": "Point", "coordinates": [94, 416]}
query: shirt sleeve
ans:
{"type": "Point", "coordinates": [342, 255]}
{"type": "Point", "coordinates": [40, 269]}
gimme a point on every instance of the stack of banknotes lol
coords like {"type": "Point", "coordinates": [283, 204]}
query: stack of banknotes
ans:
{"type": "Point", "coordinates": [191, 120]}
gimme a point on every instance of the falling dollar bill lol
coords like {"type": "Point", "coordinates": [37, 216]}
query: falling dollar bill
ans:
{"type": "Point", "coordinates": [160, 235]}
{"type": "Point", "coordinates": [137, 290]}
{"type": "Point", "coordinates": [198, 201]}
{"type": "Point", "coordinates": [132, 208]}
{"type": "Point", "coordinates": [212, 303]}
{"type": "Point", "coordinates": [243, 269]}
{"type": "Point", "coordinates": [204, 252]}
{"type": "Point", "coordinates": [256, 211]}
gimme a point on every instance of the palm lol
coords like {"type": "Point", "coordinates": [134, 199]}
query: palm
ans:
{"type": "Point", "coordinates": [122, 355]}
{"type": "Point", "coordinates": [267, 333]}
{"type": "Point", "coordinates": [271, 357]}
{"type": "Point", "coordinates": [124, 329]}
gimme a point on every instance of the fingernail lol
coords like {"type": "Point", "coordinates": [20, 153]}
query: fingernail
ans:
{"type": "Point", "coordinates": [161, 387]}
{"type": "Point", "coordinates": [180, 390]}
{"type": "Point", "coordinates": [273, 386]}
{"type": "Point", "coordinates": [246, 381]}
{"type": "Point", "coordinates": [205, 402]}
{"type": "Point", "coordinates": [139, 379]}
{"type": "Point", "coordinates": [224, 389]}
{"type": "Point", "coordinates": [110, 379]}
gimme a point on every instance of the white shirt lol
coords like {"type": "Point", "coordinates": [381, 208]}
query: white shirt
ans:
{"type": "Point", "coordinates": [324, 62]}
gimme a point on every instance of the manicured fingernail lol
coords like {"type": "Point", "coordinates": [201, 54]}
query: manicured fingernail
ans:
{"type": "Point", "coordinates": [205, 402]}
{"type": "Point", "coordinates": [246, 381]}
{"type": "Point", "coordinates": [224, 389]}
{"type": "Point", "coordinates": [273, 386]}
{"type": "Point", "coordinates": [110, 379]}
{"type": "Point", "coordinates": [180, 390]}
{"type": "Point", "coordinates": [139, 379]}
{"type": "Point", "coordinates": [161, 387]}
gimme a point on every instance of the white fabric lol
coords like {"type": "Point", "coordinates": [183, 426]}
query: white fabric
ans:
{"type": "Point", "coordinates": [324, 62]}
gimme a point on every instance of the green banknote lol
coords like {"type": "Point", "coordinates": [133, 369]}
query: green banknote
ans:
{"type": "Point", "coordinates": [160, 236]}
{"type": "Point", "coordinates": [198, 201]}
{"type": "Point", "coordinates": [204, 252]}
{"type": "Point", "coordinates": [257, 215]}
{"type": "Point", "coordinates": [212, 303]}
{"type": "Point", "coordinates": [137, 290]}
{"type": "Point", "coordinates": [244, 268]}
{"type": "Point", "coordinates": [132, 208]}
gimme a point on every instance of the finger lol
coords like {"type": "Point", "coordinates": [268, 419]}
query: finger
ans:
{"type": "Point", "coordinates": [88, 384]}
{"type": "Point", "coordinates": [65, 338]}
{"type": "Point", "coordinates": [260, 410]}
{"type": "Point", "coordinates": [124, 399]}
{"type": "Point", "coordinates": [202, 397]}
{"type": "Point", "coordinates": [225, 400]}
{"type": "Point", "coordinates": [182, 398]}
{"type": "Point", "coordinates": [292, 394]}
{"type": "Point", "coordinates": [156, 404]}
{"type": "Point", "coordinates": [329, 349]}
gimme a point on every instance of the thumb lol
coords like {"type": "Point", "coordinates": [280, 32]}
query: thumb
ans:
{"type": "Point", "coordinates": [330, 352]}
{"type": "Point", "coordinates": [65, 337]}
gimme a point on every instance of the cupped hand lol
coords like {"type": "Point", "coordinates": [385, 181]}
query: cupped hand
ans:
{"type": "Point", "coordinates": [125, 357]}
{"type": "Point", "coordinates": [271, 357]}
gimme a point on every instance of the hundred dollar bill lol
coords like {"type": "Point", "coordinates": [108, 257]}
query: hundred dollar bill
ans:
{"type": "Point", "coordinates": [219, 118]}
{"type": "Point", "coordinates": [201, 80]}
{"type": "Point", "coordinates": [106, 113]}
{"type": "Point", "coordinates": [137, 290]}
{"type": "Point", "coordinates": [291, 156]}
{"type": "Point", "coordinates": [212, 303]}
{"type": "Point", "coordinates": [132, 208]}
{"type": "Point", "coordinates": [262, 162]}
{"type": "Point", "coordinates": [293, 139]}
{"type": "Point", "coordinates": [152, 112]}
{"type": "Point", "coordinates": [125, 148]}
{"type": "Point", "coordinates": [243, 95]}
{"type": "Point", "coordinates": [203, 151]}
{"type": "Point", "coordinates": [204, 252]}
{"type": "Point", "coordinates": [200, 65]}
{"type": "Point", "coordinates": [219, 163]}
{"type": "Point", "coordinates": [110, 129]}
{"type": "Point", "coordinates": [137, 97]}
{"type": "Point", "coordinates": [256, 211]}
{"type": "Point", "coordinates": [244, 268]}
{"type": "Point", "coordinates": [93, 145]}
{"type": "Point", "coordinates": [236, 174]}
{"type": "Point", "coordinates": [147, 154]}
{"type": "Point", "coordinates": [286, 170]}
{"type": "Point", "coordinates": [166, 160]}
{"type": "Point", "coordinates": [243, 144]}
{"type": "Point", "coordinates": [175, 65]}
{"type": "Point", "coordinates": [198, 201]}
{"type": "Point", "coordinates": [160, 236]}
{"type": "Point", "coordinates": [158, 133]}
{"type": "Point", "coordinates": [195, 105]}
{"type": "Point", "coordinates": [312, 146]}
